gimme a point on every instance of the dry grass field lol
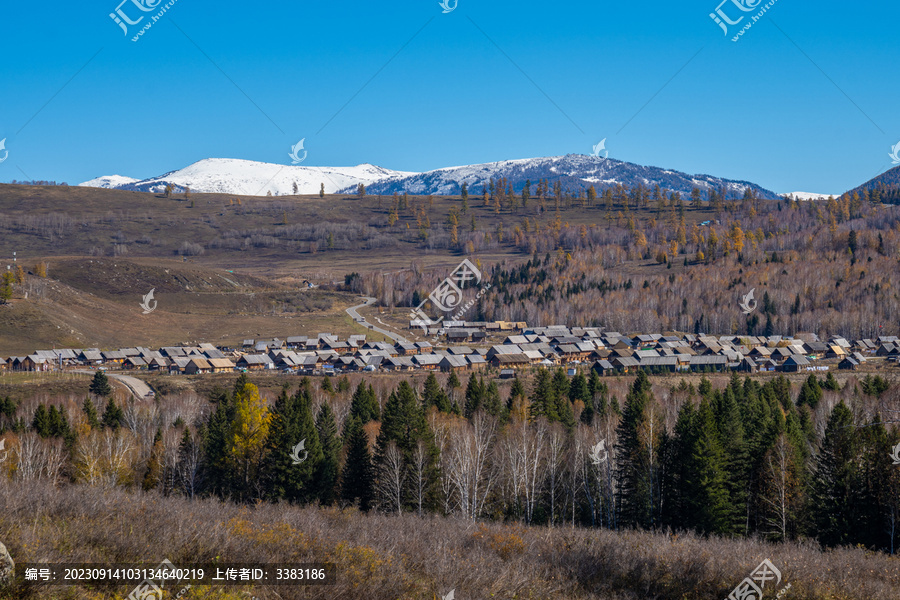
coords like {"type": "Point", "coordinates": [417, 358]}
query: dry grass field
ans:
{"type": "Point", "coordinates": [421, 559]}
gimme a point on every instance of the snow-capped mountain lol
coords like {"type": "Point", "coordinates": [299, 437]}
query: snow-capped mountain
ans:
{"type": "Point", "coordinates": [109, 182]}
{"type": "Point", "coordinates": [249, 178]}
{"type": "Point", "coordinates": [575, 172]}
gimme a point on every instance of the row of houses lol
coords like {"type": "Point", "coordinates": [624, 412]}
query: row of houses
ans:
{"type": "Point", "coordinates": [607, 351]}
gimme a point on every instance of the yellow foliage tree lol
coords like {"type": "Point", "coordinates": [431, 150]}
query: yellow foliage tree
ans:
{"type": "Point", "coordinates": [249, 429]}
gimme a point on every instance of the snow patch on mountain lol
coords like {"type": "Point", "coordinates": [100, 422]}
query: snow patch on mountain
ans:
{"type": "Point", "coordinates": [810, 195]}
{"type": "Point", "coordinates": [109, 182]}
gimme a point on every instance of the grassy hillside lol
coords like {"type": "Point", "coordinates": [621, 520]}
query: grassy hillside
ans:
{"type": "Point", "coordinates": [95, 302]}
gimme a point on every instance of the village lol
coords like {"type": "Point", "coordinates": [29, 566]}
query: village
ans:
{"type": "Point", "coordinates": [505, 347]}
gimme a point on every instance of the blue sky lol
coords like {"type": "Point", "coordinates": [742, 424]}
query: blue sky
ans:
{"type": "Point", "coordinates": [807, 99]}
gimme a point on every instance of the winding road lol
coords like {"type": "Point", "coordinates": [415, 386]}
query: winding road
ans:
{"type": "Point", "coordinates": [352, 311]}
{"type": "Point", "coordinates": [138, 388]}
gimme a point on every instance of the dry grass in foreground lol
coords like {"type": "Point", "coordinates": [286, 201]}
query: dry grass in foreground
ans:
{"type": "Point", "coordinates": [380, 557]}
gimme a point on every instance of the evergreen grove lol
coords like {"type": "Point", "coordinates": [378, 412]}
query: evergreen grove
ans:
{"type": "Point", "coordinates": [749, 459]}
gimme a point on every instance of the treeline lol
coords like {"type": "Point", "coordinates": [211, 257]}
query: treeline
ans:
{"type": "Point", "coordinates": [751, 458]}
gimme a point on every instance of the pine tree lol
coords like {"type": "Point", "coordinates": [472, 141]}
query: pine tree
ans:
{"type": "Point", "coordinates": [543, 397]}
{"type": "Point", "coordinates": [404, 424]}
{"type": "Point", "coordinates": [90, 413]}
{"type": "Point", "coordinates": [153, 472]}
{"type": "Point", "coordinates": [492, 403]}
{"type": "Point", "coordinates": [737, 462]}
{"type": "Point", "coordinates": [100, 385]}
{"type": "Point", "coordinates": [810, 392]}
{"type": "Point", "coordinates": [41, 421]}
{"type": "Point", "coordinates": [708, 482]}
{"type": "Point", "coordinates": [216, 444]}
{"type": "Point", "coordinates": [292, 423]}
{"type": "Point", "coordinates": [113, 417]}
{"type": "Point", "coordinates": [834, 513]}
{"type": "Point", "coordinates": [357, 484]}
{"type": "Point", "coordinates": [636, 492]}
{"type": "Point", "coordinates": [474, 396]}
{"type": "Point", "coordinates": [677, 460]}
{"type": "Point", "coordinates": [59, 423]}
{"type": "Point", "coordinates": [516, 393]}
{"type": "Point", "coordinates": [363, 405]}
{"type": "Point", "coordinates": [327, 476]}
{"type": "Point", "coordinates": [434, 395]}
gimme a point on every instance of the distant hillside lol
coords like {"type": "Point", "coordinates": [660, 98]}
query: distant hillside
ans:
{"type": "Point", "coordinates": [885, 187]}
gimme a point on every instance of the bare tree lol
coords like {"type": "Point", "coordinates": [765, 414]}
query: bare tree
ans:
{"type": "Point", "coordinates": [556, 449]}
{"type": "Point", "coordinates": [467, 465]}
{"type": "Point", "coordinates": [389, 484]}
{"type": "Point", "coordinates": [780, 488]}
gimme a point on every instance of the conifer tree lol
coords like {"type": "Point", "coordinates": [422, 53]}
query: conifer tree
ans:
{"type": "Point", "coordinates": [327, 476]}
{"type": "Point", "coordinates": [41, 421]}
{"type": "Point", "coordinates": [834, 511]}
{"type": "Point", "coordinates": [292, 423]}
{"type": "Point", "coordinates": [153, 472]}
{"type": "Point", "coordinates": [434, 395]}
{"type": "Point", "coordinates": [59, 423]}
{"type": "Point", "coordinates": [637, 477]}
{"type": "Point", "coordinates": [492, 403]}
{"type": "Point", "coordinates": [737, 461]}
{"type": "Point", "coordinates": [100, 385]}
{"type": "Point", "coordinates": [90, 413]}
{"type": "Point", "coordinates": [474, 396]}
{"type": "Point", "coordinates": [708, 484]}
{"type": "Point", "coordinates": [404, 424]}
{"type": "Point", "coordinates": [543, 397]}
{"type": "Point", "coordinates": [516, 392]}
{"type": "Point", "coordinates": [113, 417]}
{"type": "Point", "coordinates": [363, 405]}
{"type": "Point", "coordinates": [810, 392]}
{"type": "Point", "coordinates": [677, 459]}
{"type": "Point", "coordinates": [357, 482]}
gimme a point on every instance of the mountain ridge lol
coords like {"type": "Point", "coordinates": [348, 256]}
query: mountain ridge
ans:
{"type": "Point", "coordinates": [574, 172]}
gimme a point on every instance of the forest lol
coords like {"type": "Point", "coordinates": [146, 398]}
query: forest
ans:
{"type": "Point", "coordinates": [768, 458]}
{"type": "Point", "coordinates": [649, 265]}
